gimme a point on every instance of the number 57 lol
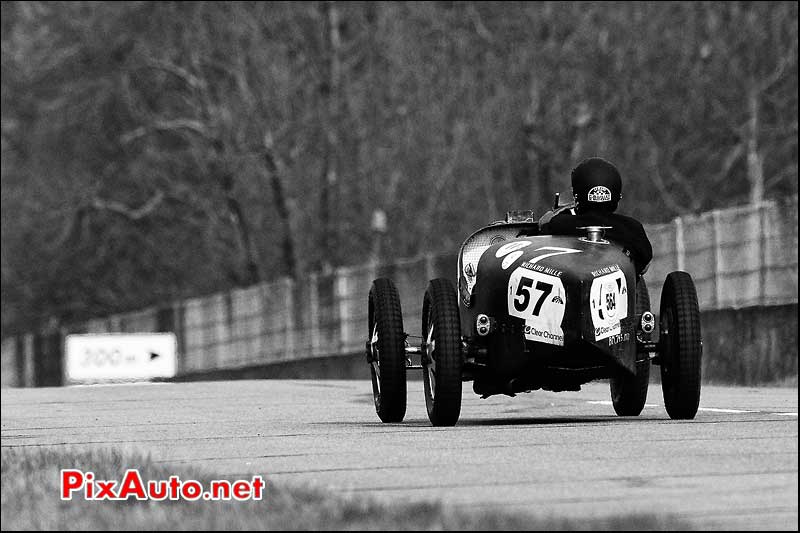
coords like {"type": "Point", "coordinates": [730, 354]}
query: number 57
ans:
{"type": "Point", "coordinates": [523, 296]}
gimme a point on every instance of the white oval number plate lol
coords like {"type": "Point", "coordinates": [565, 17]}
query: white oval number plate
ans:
{"type": "Point", "coordinates": [609, 303]}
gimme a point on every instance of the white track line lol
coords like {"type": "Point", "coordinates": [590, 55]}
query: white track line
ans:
{"type": "Point", "coordinates": [115, 384]}
{"type": "Point", "coordinates": [716, 410]}
{"type": "Point", "coordinates": [707, 409]}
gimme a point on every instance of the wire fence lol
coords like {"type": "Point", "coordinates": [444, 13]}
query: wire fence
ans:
{"type": "Point", "coordinates": [738, 257]}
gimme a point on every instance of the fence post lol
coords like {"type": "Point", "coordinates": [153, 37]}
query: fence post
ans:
{"type": "Point", "coordinates": [341, 292]}
{"type": "Point", "coordinates": [430, 268]}
{"type": "Point", "coordinates": [290, 323]}
{"type": "Point", "coordinates": [29, 372]}
{"type": "Point", "coordinates": [717, 260]}
{"type": "Point", "coordinates": [680, 245]}
{"type": "Point", "coordinates": [313, 308]}
{"type": "Point", "coordinates": [19, 353]}
{"type": "Point", "coordinates": [180, 334]}
{"type": "Point", "coordinates": [762, 256]}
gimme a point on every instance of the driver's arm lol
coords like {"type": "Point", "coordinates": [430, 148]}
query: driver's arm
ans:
{"type": "Point", "coordinates": [545, 225]}
{"type": "Point", "coordinates": [631, 234]}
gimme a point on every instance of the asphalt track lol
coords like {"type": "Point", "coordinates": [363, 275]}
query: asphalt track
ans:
{"type": "Point", "coordinates": [564, 454]}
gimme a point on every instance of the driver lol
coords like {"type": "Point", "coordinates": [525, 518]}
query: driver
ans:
{"type": "Point", "coordinates": [597, 189]}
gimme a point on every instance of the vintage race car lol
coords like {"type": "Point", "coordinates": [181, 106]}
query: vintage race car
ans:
{"type": "Point", "coordinates": [534, 312]}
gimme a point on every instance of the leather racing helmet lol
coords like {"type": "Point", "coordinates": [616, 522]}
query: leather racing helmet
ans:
{"type": "Point", "coordinates": [596, 185]}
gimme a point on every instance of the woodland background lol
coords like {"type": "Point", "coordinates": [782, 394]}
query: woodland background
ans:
{"type": "Point", "coordinates": [158, 150]}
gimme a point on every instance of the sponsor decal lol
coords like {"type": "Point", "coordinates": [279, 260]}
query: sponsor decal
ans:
{"type": "Point", "coordinates": [541, 268]}
{"type": "Point", "coordinates": [533, 334]}
{"type": "Point", "coordinates": [469, 270]}
{"type": "Point", "coordinates": [511, 247]}
{"type": "Point", "coordinates": [496, 239]}
{"type": "Point", "coordinates": [599, 194]}
{"type": "Point", "coordinates": [616, 339]}
{"type": "Point", "coordinates": [551, 252]}
{"type": "Point", "coordinates": [605, 331]}
{"type": "Point", "coordinates": [540, 300]}
{"type": "Point", "coordinates": [510, 259]}
{"type": "Point", "coordinates": [605, 270]}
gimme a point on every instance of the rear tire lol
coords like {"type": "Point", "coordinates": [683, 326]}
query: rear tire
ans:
{"type": "Point", "coordinates": [629, 392]}
{"type": "Point", "coordinates": [681, 346]}
{"type": "Point", "coordinates": [442, 363]}
{"type": "Point", "coordinates": [387, 342]}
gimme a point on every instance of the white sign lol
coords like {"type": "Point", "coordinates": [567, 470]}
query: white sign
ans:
{"type": "Point", "coordinates": [108, 357]}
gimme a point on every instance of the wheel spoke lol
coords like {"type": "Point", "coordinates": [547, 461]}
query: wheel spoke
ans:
{"type": "Point", "coordinates": [430, 344]}
{"type": "Point", "coordinates": [375, 363]}
{"type": "Point", "coordinates": [373, 343]}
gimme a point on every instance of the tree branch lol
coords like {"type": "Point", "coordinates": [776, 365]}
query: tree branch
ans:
{"type": "Point", "coordinates": [121, 209]}
{"type": "Point", "coordinates": [480, 27]}
{"type": "Point", "coordinates": [459, 132]}
{"type": "Point", "coordinates": [666, 196]}
{"type": "Point", "coordinates": [190, 79]}
{"type": "Point", "coordinates": [774, 77]}
{"type": "Point", "coordinates": [167, 125]}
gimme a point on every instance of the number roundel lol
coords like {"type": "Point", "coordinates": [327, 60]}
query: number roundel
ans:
{"type": "Point", "coordinates": [608, 301]}
{"type": "Point", "coordinates": [539, 299]}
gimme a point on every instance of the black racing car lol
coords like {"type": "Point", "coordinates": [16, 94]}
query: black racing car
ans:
{"type": "Point", "coordinates": [537, 312]}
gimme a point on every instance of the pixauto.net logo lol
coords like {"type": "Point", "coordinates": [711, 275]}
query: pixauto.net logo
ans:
{"type": "Point", "coordinates": [80, 484]}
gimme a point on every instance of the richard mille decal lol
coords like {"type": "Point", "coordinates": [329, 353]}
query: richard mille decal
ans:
{"type": "Point", "coordinates": [541, 268]}
{"type": "Point", "coordinates": [605, 270]}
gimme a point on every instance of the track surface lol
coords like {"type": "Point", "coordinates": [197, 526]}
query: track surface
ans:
{"type": "Point", "coordinates": [565, 454]}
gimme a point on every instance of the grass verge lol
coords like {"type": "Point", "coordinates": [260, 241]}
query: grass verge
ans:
{"type": "Point", "coordinates": [30, 501]}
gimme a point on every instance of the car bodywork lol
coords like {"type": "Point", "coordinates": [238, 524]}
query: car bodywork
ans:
{"type": "Point", "coordinates": [561, 309]}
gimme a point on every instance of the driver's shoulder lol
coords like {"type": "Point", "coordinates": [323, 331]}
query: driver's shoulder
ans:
{"type": "Point", "coordinates": [627, 220]}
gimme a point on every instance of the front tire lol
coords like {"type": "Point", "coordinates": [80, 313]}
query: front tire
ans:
{"type": "Point", "coordinates": [681, 346]}
{"type": "Point", "coordinates": [629, 392]}
{"type": "Point", "coordinates": [442, 363]}
{"type": "Point", "coordinates": [387, 355]}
